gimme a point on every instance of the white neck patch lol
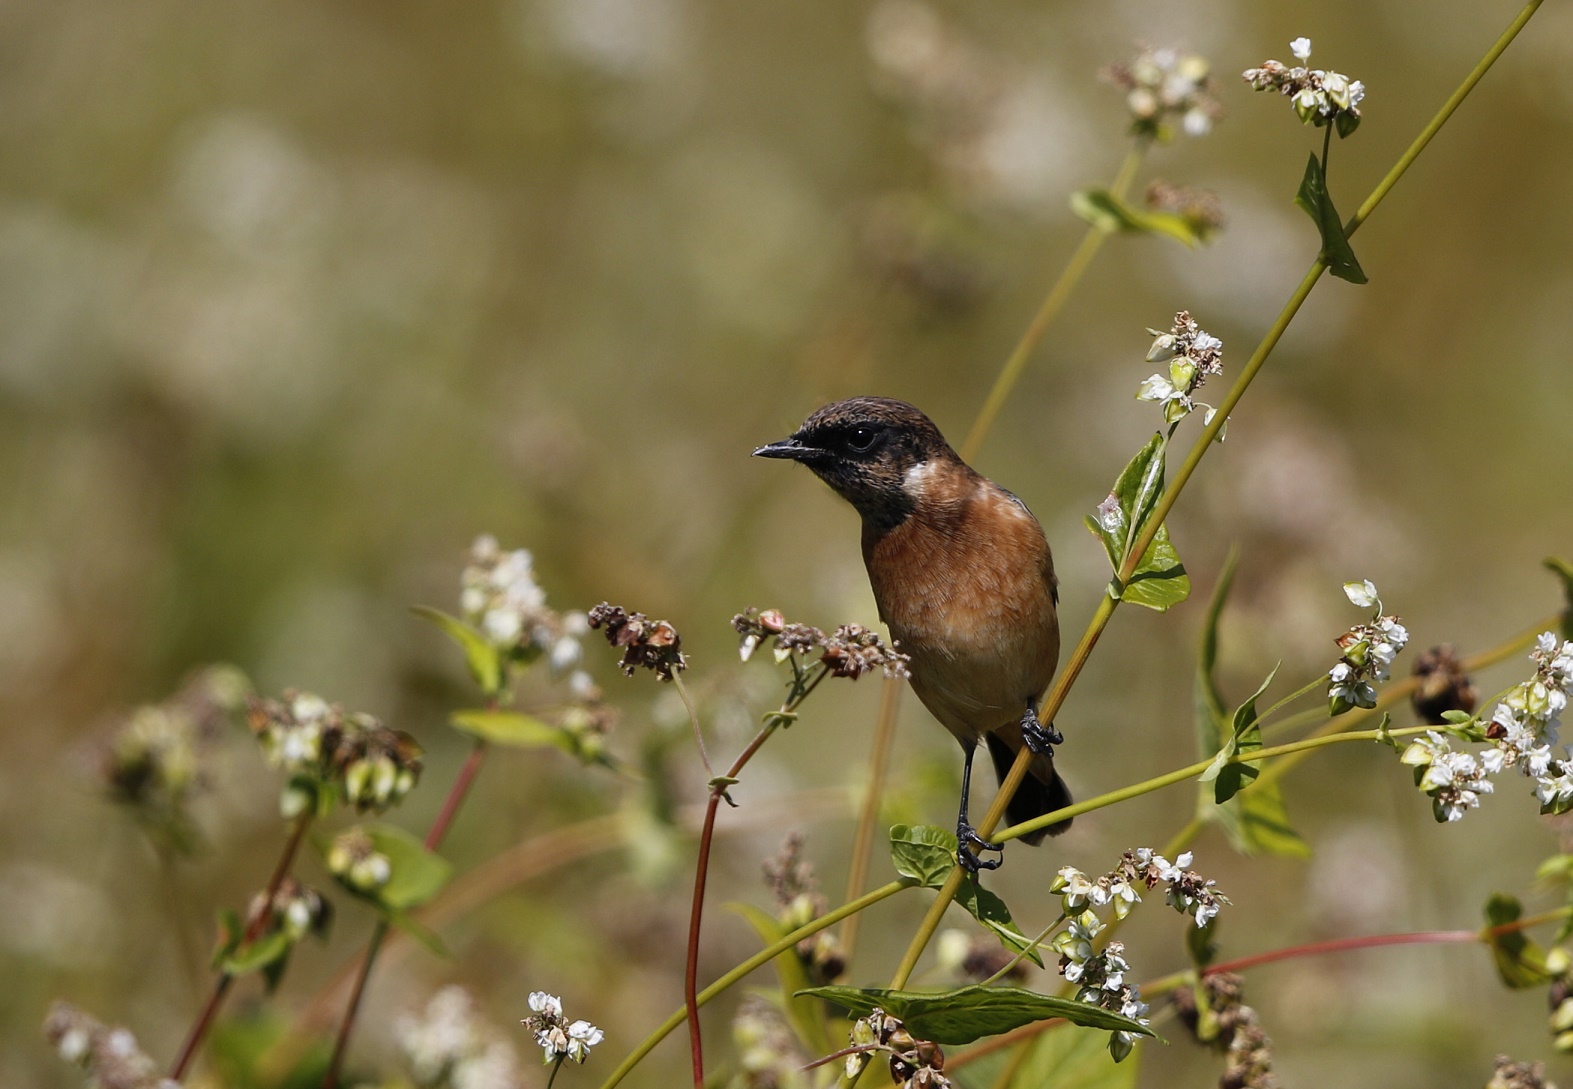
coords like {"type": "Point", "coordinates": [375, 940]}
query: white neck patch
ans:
{"type": "Point", "coordinates": [917, 478]}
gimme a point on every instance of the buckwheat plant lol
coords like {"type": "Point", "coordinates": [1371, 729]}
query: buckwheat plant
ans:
{"type": "Point", "coordinates": [654, 792]}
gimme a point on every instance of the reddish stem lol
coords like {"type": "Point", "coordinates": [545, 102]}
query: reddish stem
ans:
{"type": "Point", "coordinates": [1341, 945]}
{"type": "Point", "coordinates": [701, 871]}
{"type": "Point", "coordinates": [434, 838]}
{"type": "Point", "coordinates": [253, 930]}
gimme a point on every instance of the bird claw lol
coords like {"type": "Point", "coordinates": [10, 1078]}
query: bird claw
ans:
{"type": "Point", "coordinates": [1039, 738]}
{"type": "Point", "coordinates": [969, 843]}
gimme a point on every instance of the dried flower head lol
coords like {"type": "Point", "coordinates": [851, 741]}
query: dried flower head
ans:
{"type": "Point", "coordinates": [1443, 687]}
{"type": "Point", "coordinates": [1193, 355]}
{"type": "Point", "coordinates": [1199, 208]}
{"type": "Point", "coordinates": [914, 1063]}
{"type": "Point", "coordinates": [851, 652]}
{"type": "Point", "coordinates": [646, 644]}
{"type": "Point", "coordinates": [449, 1044]}
{"type": "Point", "coordinates": [1161, 84]}
{"type": "Point", "coordinates": [1515, 1075]}
{"type": "Point", "coordinates": [768, 1053]}
{"type": "Point", "coordinates": [329, 752]}
{"type": "Point", "coordinates": [109, 1054]}
{"type": "Point", "coordinates": [1320, 97]}
{"type": "Point", "coordinates": [558, 1037]}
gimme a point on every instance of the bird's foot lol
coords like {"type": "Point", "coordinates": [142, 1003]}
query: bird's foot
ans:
{"type": "Point", "coordinates": [1039, 738]}
{"type": "Point", "coordinates": [968, 846]}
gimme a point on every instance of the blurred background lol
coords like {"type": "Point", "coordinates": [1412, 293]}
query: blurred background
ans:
{"type": "Point", "coordinates": [298, 299]}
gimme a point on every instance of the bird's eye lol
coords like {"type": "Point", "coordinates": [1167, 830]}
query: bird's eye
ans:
{"type": "Point", "coordinates": [861, 439]}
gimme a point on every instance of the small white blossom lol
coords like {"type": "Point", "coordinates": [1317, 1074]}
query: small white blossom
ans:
{"type": "Point", "coordinates": [1192, 354]}
{"type": "Point", "coordinates": [1368, 653]}
{"type": "Point", "coordinates": [1301, 48]}
{"type": "Point", "coordinates": [557, 1038]}
{"type": "Point", "coordinates": [1361, 593]}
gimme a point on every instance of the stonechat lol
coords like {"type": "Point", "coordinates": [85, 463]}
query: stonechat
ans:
{"type": "Point", "coordinates": [963, 577]}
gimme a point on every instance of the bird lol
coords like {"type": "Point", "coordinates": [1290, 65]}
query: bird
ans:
{"type": "Point", "coordinates": [964, 580]}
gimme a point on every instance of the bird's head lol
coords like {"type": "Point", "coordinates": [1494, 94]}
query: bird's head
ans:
{"type": "Point", "coordinates": [877, 453]}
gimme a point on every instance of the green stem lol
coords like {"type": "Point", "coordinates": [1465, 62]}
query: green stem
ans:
{"type": "Point", "coordinates": [758, 960]}
{"type": "Point", "coordinates": [1074, 269]}
{"type": "Point", "coordinates": [1021, 956]}
{"type": "Point", "coordinates": [1056, 697]}
{"type": "Point", "coordinates": [868, 814]}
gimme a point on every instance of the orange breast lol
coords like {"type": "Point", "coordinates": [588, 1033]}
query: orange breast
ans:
{"type": "Point", "coordinates": [966, 585]}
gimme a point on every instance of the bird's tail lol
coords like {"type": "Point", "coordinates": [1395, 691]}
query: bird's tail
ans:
{"type": "Point", "coordinates": [1042, 791]}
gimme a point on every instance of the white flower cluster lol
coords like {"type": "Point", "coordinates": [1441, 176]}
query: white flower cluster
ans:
{"type": "Point", "coordinates": [1369, 650]}
{"type": "Point", "coordinates": [296, 910]}
{"type": "Point", "coordinates": [1192, 355]}
{"type": "Point", "coordinates": [1163, 83]}
{"type": "Point", "coordinates": [448, 1044]}
{"type": "Point", "coordinates": [354, 859]}
{"type": "Point", "coordinates": [501, 597]}
{"type": "Point", "coordinates": [1100, 976]}
{"type": "Point", "coordinates": [1522, 731]}
{"type": "Point", "coordinates": [1320, 97]}
{"type": "Point", "coordinates": [109, 1054]}
{"type": "Point", "coordinates": [559, 1038]}
{"type": "Point", "coordinates": [317, 743]}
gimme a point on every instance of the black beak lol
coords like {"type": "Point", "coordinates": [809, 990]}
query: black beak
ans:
{"type": "Point", "coordinates": [792, 449]}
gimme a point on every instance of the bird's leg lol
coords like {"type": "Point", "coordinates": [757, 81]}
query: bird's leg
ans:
{"type": "Point", "coordinates": [1037, 737]}
{"type": "Point", "coordinates": [968, 842]}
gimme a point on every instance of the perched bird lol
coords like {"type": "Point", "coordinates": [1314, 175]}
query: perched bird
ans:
{"type": "Point", "coordinates": [964, 579]}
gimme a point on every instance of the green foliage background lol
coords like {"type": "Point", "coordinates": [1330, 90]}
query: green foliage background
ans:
{"type": "Point", "coordinates": [296, 299]}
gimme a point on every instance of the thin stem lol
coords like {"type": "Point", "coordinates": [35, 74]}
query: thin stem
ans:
{"type": "Point", "coordinates": [1022, 955]}
{"type": "Point", "coordinates": [1074, 269]}
{"type": "Point", "coordinates": [693, 717]}
{"type": "Point", "coordinates": [1171, 493]}
{"type": "Point", "coordinates": [434, 837]}
{"type": "Point", "coordinates": [758, 960]}
{"type": "Point", "coordinates": [868, 815]}
{"type": "Point", "coordinates": [253, 929]}
{"type": "Point", "coordinates": [1316, 682]}
{"type": "Point", "coordinates": [799, 692]}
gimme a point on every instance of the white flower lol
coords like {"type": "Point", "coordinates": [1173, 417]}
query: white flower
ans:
{"type": "Point", "coordinates": [547, 1004]}
{"type": "Point", "coordinates": [1301, 48]}
{"type": "Point", "coordinates": [1361, 593]}
{"type": "Point", "coordinates": [582, 1036]}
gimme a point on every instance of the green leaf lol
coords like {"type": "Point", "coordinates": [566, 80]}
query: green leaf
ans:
{"type": "Point", "coordinates": [1520, 962]}
{"type": "Point", "coordinates": [1159, 580]}
{"type": "Point", "coordinates": [804, 1014]}
{"type": "Point", "coordinates": [1564, 570]}
{"type": "Point", "coordinates": [923, 854]}
{"type": "Point", "coordinates": [485, 661]}
{"type": "Point", "coordinates": [1245, 738]}
{"type": "Point", "coordinates": [511, 729]}
{"type": "Point", "coordinates": [240, 1050]}
{"type": "Point", "coordinates": [424, 935]}
{"type": "Point", "coordinates": [1201, 943]}
{"type": "Point", "coordinates": [1318, 204]}
{"type": "Point", "coordinates": [266, 950]}
{"type": "Point", "coordinates": [1209, 700]}
{"type": "Point", "coordinates": [1257, 822]}
{"type": "Point", "coordinates": [1070, 1060]}
{"type": "Point", "coordinates": [991, 911]}
{"type": "Point", "coordinates": [970, 1013]}
{"type": "Point", "coordinates": [1102, 209]}
{"type": "Point", "coordinates": [417, 872]}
